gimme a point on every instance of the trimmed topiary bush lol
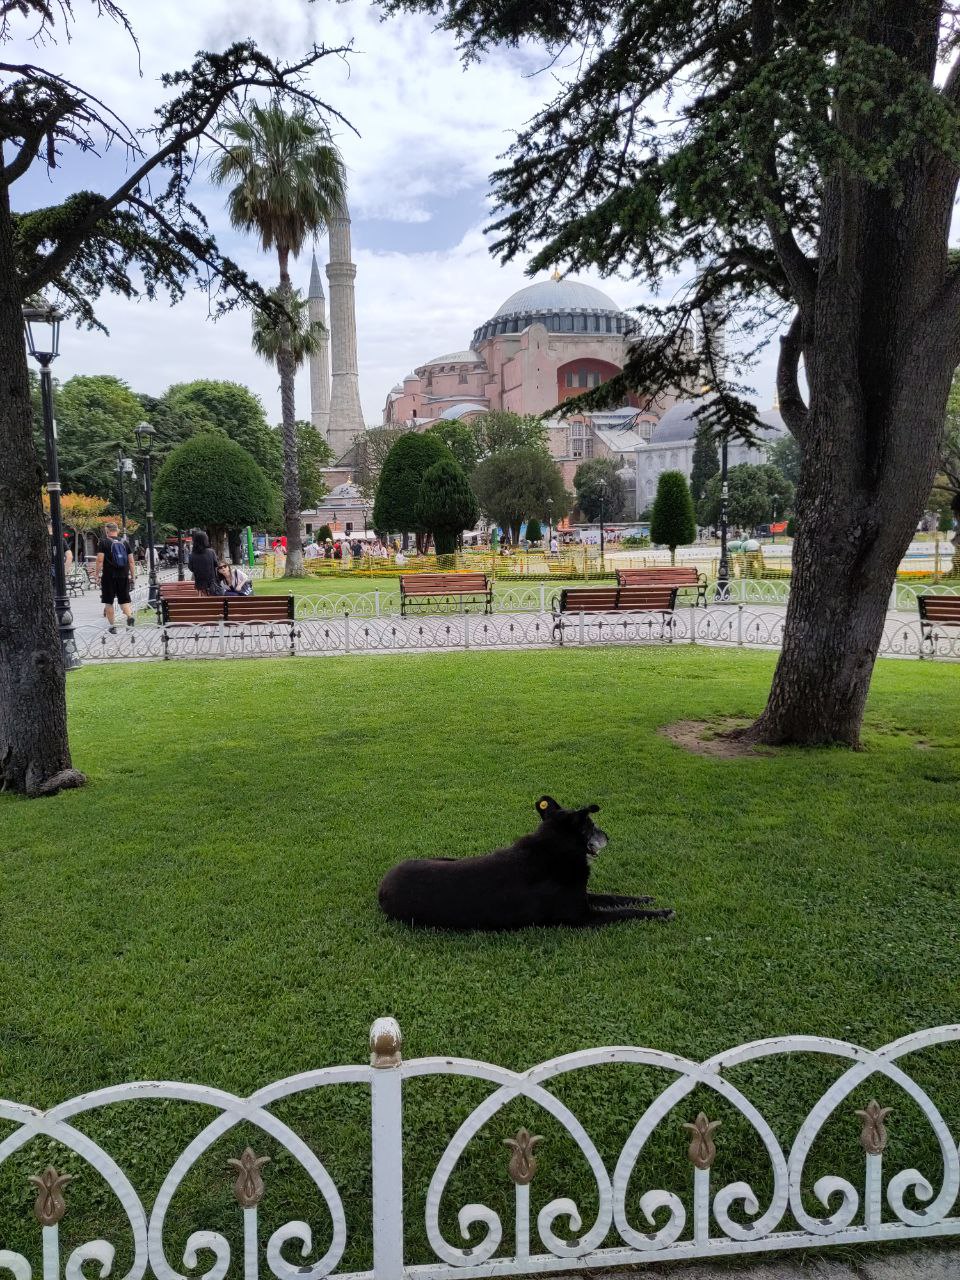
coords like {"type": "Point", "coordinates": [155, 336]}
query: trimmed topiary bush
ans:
{"type": "Point", "coordinates": [210, 482]}
{"type": "Point", "coordinates": [674, 522]}
{"type": "Point", "coordinates": [534, 532]}
{"type": "Point", "coordinates": [398, 490]}
{"type": "Point", "coordinates": [446, 505]}
{"type": "Point", "coordinates": [324, 532]}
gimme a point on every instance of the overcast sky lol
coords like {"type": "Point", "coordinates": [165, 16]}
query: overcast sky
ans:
{"type": "Point", "coordinates": [430, 133]}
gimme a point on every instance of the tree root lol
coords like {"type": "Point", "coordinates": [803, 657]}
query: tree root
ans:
{"type": "Point", "coordinates": [63, 781]}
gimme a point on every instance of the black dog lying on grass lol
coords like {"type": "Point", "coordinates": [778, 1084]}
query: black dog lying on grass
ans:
{"type": "Point", "coordinates": [540, 880]}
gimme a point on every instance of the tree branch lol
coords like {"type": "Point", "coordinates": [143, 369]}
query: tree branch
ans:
{"type": "Point", "coordinates": [268, 76]}
{"type": "Point", "coordinates": [793, 407]}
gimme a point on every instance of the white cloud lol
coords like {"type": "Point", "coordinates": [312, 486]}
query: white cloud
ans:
{"type": "Point", "coordinates": [427, 127]}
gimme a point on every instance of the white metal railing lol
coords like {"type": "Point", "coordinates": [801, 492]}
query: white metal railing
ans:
{"type": "Point", "coordinates": [767, 1205]}
{"type": "Point", "coordinates": [722, 626]}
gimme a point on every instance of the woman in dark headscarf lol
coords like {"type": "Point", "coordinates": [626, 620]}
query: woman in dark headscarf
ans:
{"type": "Point", "coordinates": [205, 567]}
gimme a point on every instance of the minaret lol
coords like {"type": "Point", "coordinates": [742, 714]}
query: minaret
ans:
{"type": "Point", "coordinates": [346, 416]}
{"type": "Point", "coordinates": [320, 359]}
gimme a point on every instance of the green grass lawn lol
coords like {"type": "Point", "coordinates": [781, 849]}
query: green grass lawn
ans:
{"type": "Point", "coordinates": [206, 909]}
{"type": "Point", "coordinates": [318, 585]}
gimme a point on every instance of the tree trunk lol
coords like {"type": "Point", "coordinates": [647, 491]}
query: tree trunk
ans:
{"type": "Point", "coordinates": [286, 367]}
{"type": "Point", "coordinates": [34, 750]}
{"type": "Point", "coordinates": [879, 352]}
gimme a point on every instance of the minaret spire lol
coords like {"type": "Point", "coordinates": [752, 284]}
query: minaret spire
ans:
{"type": "Point", "coordinates": [346, 415]}
{"type": "Point", "coordinates": [320, 359]}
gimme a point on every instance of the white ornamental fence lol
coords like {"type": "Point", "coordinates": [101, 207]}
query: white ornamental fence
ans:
{"type": "Point", "coordinates": [773, 1204]}
{"type": "Point", "coordinates": [540, 597]}
{"type": "Point", "coordinates": [722, 626]}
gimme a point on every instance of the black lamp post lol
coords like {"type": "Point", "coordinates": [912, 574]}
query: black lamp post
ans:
{"type": "Point", "coordinates": [145, 434]}
{"type": "Point", "coordinates": [723, 571]}
{"type": "Point", "coordinates": [549, 523]}
{"type": "Point", "coordinates": [124, 466]}
{"type": "Point", "coordinates": [42, 325]}
{"type": "Point", "coordinates": [603, 494]}
{"type": "Point", "coordinates": [776, 502]}
{"type": "Point", "coordinates": [180, 574]}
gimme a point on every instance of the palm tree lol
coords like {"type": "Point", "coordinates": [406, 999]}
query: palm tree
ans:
{"type": "Point", "coordinates": [269, 332]}
{"type": "Point", "coordinates": [289, 179]}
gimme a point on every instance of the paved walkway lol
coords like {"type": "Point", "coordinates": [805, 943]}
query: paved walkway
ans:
{"type": "Point", "coordinates": [936, 1262]}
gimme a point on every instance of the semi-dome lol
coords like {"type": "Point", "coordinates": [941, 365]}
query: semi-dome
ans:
{"type": "Point", "coordinates": [679, 424]}
{"type": "Point", "coordinates": [461, 410]}
{"type": "Point", "coordinates": [455, 357]}
{"type": "Point", "coordinates": [561, 306]}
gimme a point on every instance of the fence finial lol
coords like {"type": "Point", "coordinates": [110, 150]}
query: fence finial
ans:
{"type": "Point", "coordinates": [523, 1163]}
{"type": "Point", "coordinates": [50, 1205]}
{"type": "Point", "coordinates": [386, 1043]}
{"type": "Point", "coordinates": [873, 1135]}
{"type": "Point", "coordinates": [249, 1187]}
{"type": "Point", "coordinates": [702, 1150]}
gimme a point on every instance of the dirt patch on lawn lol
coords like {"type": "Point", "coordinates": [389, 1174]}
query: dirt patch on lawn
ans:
{"type": "Point", "coordinates": [713, 738]}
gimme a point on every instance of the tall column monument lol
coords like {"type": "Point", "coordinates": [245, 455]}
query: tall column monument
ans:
{"type": "Point", "coordinates": [319, 359]}
{"type": "Point", "coordinates": [346, 415]}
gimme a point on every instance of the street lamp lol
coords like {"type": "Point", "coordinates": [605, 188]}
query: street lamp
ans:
{"type": "Point", "coordinates": [42, 326]}
{"type": "Point", "coordinates": [145, 435]}
{"type": "Point", "coordinates": [723, 570]}
{"type": "Point", "coordinates": [776, 502]}
{"type": "Point", "coordinates": [124, 468]}
{"type": "Point", "coordinates": [549, 523]}
{"type": "Point", "coordinates": [603, 494]}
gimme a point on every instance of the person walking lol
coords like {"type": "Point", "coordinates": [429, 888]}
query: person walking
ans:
{"type": "Point", "coordinates": [115, 572]}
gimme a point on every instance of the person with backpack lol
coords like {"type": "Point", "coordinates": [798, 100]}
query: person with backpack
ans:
{"type": "Point", "coordinates": [116, 573]}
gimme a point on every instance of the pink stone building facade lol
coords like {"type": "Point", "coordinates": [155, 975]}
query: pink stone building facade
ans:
{"type": "Point", "coordinates": [548, 341]}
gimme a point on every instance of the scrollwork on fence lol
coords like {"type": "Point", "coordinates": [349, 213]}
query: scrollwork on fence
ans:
{"type": "Point", "coordinates": [327, 630]}
{"type": "Point", "coordinates": [635, 1218]}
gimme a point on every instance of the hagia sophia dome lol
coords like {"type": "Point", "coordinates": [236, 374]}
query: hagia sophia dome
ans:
{"type": "Point", "coordinates": [545, 342]}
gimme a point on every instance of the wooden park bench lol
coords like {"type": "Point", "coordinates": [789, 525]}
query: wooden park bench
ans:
{"type": "Point", "coordinates": [174, 591]}
{"type": "Point", "coordinates": [629, 599]}
{"type": "Point", "coordinates": [937, 611]}
{"type": "Point", "coordinates": [227, 611]}
{"type": "Point", "coordinates": [416, 588]}
{"type": "Point", "coordinates": [178, 591]}
{"type": "Point", "coordinates": [675, 576]}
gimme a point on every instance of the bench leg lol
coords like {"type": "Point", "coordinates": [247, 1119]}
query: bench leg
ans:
{"type": "Point", "coordinates": [166, 645]}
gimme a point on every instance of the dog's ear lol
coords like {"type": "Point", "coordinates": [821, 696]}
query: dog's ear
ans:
{"type": "Point", "coordinates": [592, 808]}
{"type": "Point", "coordinates": [546, 806]}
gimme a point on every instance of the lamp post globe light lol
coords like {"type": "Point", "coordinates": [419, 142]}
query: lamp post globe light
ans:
{"type": "Point", "coordinates": [145, 435]}
{"type": "Point", "coordinates": [42, 328]}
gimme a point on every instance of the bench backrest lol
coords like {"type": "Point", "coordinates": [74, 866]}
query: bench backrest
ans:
{"type": "Point", "coordinates": [685, 576]}
{"type": "Point", "coordinates": [944, 609]}
{"type": "Point", "coordinates": [616, 599]}
{"type": "Point", "coordinates": [196, 610]}
{"type": "Point", "coordinates": [259, 608]}
{"type": "Point", "coordinates": [438, 584]}
{"type": "Point", "coordinates": [178, 591]}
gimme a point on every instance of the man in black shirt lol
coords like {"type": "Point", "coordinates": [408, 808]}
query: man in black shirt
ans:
{"type": "Point", "coordinates": [115, 572]}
